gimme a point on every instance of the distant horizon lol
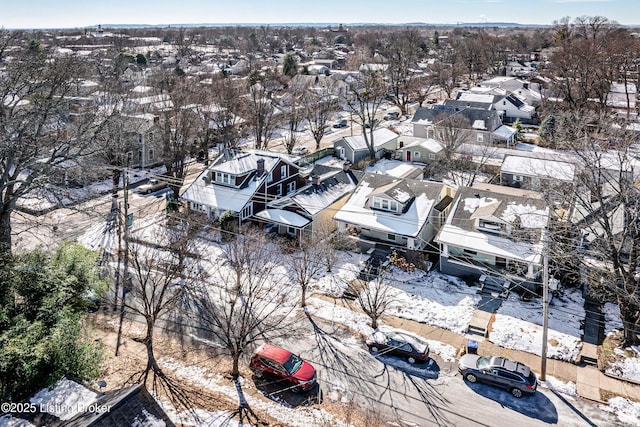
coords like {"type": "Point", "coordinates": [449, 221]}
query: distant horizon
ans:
{"type": "Point", "coordinates": [78, 14]}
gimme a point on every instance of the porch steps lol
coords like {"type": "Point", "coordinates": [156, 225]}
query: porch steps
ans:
{"type": "Point", "coordinates": [479, 324]}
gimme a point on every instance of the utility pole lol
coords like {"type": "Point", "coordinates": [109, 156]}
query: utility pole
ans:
{"type": "Point", "coordinates": [126, 285]}
{"type": "Point", "coordinates": [545, 303]}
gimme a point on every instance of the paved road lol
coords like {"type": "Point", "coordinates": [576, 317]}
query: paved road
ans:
{"type": "Point", "coordinates": [420, 395]}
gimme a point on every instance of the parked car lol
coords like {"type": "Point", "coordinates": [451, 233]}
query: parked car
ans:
{"type": "Point", "coordinates": [392, 115]}
{"type": "Point", "coordinates": [151, 187]}
{"type": "Point", "coordinates": [280, 363]}
{"type": "Point", "coordinates": [342, 123]}
{"type": "Point", "coordinates": [498, 371]}
{"type": "Point", "coordinates": [398, 344]}
{"type": "Point", "coordinates": [298, 151]}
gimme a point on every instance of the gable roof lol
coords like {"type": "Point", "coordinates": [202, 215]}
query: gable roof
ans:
{"type": "Point", "coordinates": [432, 115]}
{"type": "Point", "coordinates": [358, 212]}
{"type": "Point", "coordinates": [543, 168]}
{"type": "Point", "coordinates": [380, 137]}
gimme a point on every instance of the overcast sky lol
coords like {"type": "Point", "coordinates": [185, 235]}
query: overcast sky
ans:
{"type": "Point", "coordinates": [84, 13]}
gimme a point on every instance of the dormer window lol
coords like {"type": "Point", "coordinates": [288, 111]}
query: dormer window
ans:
{"type": "Point", "coordinates": [491, 227]}
{"type": "Point", "coordinates": [223, 178]}
{"type": "Point", "coordinates": [385, 204]}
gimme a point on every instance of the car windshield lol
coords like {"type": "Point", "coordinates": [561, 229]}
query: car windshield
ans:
{"type": "Point", "coordinates": [483, 362]}
{"type": "Point", "coordinates": [293, 364]}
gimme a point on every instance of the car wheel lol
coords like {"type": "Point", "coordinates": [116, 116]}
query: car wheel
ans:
{"type": "Point", "coordinates": [411, 360]}
{"type": "Point", "coordinates": [374, 349]}
{"type": "Point", "coordinates": [471, 378]}
{"type": "Point", "coordinates": [258, 373]}
{"type": "Point", "coordinates": [516, 392]}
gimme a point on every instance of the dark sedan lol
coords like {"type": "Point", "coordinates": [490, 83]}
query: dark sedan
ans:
{"type": "Point", "coordinates": [399, 344]}
{"type": "Point", "coordinates": [500, 372]}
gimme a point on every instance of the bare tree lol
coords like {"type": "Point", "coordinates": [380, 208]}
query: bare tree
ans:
{"type": "Point", "coordinates": [36, 135]}
{"type": "Point", "coordinates": [303, 265]}
{"type": "Point", "coordinates": [373, 294]}
{"type": "Point", "coordinates": [364, 96]}
{"type": "Point", "coordinates": [243, 301]}
{"type": "Point", "coordinates": [319, 103]}
{"type": "Point", "coordinates": [262, 111]}
{"type": "Point", "coordinates": [159, 274]}
{"type": "Point", "coordinates": [606, 220]}
{"type": "Point", "coordinates": [225, 113]}
{"type": "Point", "coordinates": [293, 113]}
{"type": "Point", "coordinates": [403, 52]}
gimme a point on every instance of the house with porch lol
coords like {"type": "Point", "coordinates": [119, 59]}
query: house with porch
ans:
{"type": "Point", "coordinates": [243, 182]}
{"type": "Point", "coordinates": [309, 210]}
{"type": "Point", "coordinates": [496, 232]}
{"type": "Point", "coordinates": [401, 212]}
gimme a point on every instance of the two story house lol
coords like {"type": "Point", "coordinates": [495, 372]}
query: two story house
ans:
{"type": "Point", "coordinates": [242, 182]}
{"type": "Point", "coordinates": [309, 210]}
{"type": "Point", "coordinates": [495, 231]}
{"type": "Point", "coordinates": [478, 126]}
{"type": "Point", "coordinates": [402, 212]}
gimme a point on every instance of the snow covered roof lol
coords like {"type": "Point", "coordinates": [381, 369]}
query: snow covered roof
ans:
{"type": "Point", "coordinates": [281, 216]}
{"type": "Point", "coordinates": [529, 166]}
{"type": "Point", "coordinates": [428, 144]}
{"type": "Point", "coordinates": [394, 168]}
{"type": "Point", "coordinates": [493, 202]}
{"type": "Point", "coordinates": [315, 198]}
{"type": "Point", "coordinates": [380, 137]}
{"type": "Point", "coordinates": [504, 132]}
{"type": "Point", "coordinates": [218, 196]}
{"type": "Point", "coordinates": [409, 223]}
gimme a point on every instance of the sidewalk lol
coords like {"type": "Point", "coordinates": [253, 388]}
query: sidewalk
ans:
{"type": "Point", "coordinates": [590, 382]}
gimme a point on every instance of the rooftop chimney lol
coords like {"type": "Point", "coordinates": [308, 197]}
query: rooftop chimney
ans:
{"type": "Point", "coordinates": [315, 180]}
{"type": "Point", "coordinates": [346, 165]}
{"type": "Point", "coordinates": [260, 167]}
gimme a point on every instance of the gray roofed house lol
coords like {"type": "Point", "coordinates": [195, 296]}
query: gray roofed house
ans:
{"type": "Point", "coordinates": [495, 231]}
{"type": "Point", "coordinates": [396, 211]}
{"type": "Point", "coordinates": [310, 209]}
{"type": "Point", "coordinates": [483, 126]}
{"type": "Point", "coordinates": [355, 149]}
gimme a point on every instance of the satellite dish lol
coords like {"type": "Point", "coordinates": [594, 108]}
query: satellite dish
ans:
{"type": "Point", "coordinates": [102, 384]}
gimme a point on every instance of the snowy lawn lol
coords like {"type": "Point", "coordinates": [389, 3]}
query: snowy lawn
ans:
{"type": "Point", "coordinates": [360, 323]}
{"type": "Point", "coordinates": [627, 366]}
{"type": "Point", "coordinates": [432, 298]}
{"type": "Point", "coordinates": [518, 325]}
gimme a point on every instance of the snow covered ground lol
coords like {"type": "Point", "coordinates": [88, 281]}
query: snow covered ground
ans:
{"type": "Point", "coordinates": [627, 367]}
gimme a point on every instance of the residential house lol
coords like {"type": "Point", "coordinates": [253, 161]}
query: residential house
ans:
{"type": "Point", "coordinates": [396, 169]}
{"type": "Point", "coordinates": [495, 231]}
{"type": "Point", "coordinates": [509, 106]}
{"type": "Point", "coordinates": [242, 182]}
{"type": "Point", "coordinates": [536, 174]}
{"type": "Point", "coordinates": [400, 212]}
{"type": "Point", "coordinates": [415, 149]}
{"type": "Point", "coordinates": [310, 209]}
{"type": "Point", "coordinates": [622, 98]}
{"type": "Point", "coordinates": [481, 126]}
{"type": "Point", "coordinates": [530, 92]}
{"type": "Point", "coordinates": [62, 406]}
{"type": "Point", "coordinates": [520, 68]}
{"type": "Point", "coordinates": [355, 149]}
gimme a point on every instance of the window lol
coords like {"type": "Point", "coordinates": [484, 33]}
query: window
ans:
{"type": "Point", "coordinates": [224, 178]}
{"type": "Point", "coordinates": [151, 153]}
{"type": "Point", "coordinates": [279, 190]}
{"type": "Point", "coordinates": [479, 137]}
{"type": "Point", "coordinates": [270, 179]}
{"type": "Point", "coordinates": [518, 178]}
{"type": "Point", "coordinates": [376, 203]}
{"type": "Point", "coordinates": [291, 231]}
{"type": "Point", "coordinates": [470, 252]}
{"type": "Point", "coordinates": [416, 154]}
{"type": "Point", "coordinates": [385, 204]}
{"type": "Point", "coordinates": [394, 206]}
{"type": "Point", "coordinates": [391, 237]}
{"type": "Point", "coordinates": [247, 211]}
{"type": "Point", "coordinates": [291, 187]}
{"type": "Point", "coordinates": [283, 171]}
{"type": "Point", "coordinates": [432, 156]}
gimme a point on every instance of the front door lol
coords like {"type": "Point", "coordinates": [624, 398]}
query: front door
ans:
{"type": "Point", "coordinates": [408, 155]}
